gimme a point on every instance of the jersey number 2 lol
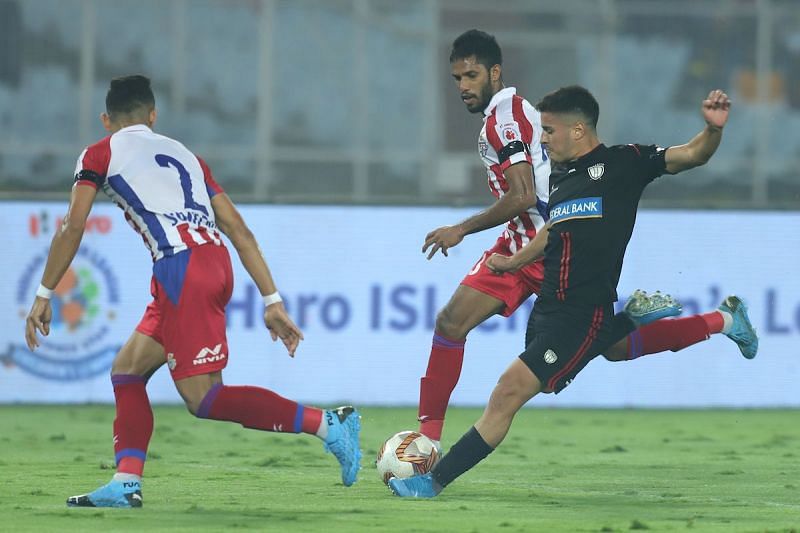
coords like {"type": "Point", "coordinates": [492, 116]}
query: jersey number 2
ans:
{"type": "Point", "coordinates": [166, 161]}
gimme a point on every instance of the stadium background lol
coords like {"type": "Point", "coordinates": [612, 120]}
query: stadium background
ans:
{"type": "Point", "coordinates": [337, 124]}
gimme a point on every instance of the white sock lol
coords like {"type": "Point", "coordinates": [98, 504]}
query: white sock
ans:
{"type": "Point", "coordinates": [122, 476]}
{"type": "Point", "coordinates": [322, 430]}
{"type": "Point", "coordinates": [727, 321]}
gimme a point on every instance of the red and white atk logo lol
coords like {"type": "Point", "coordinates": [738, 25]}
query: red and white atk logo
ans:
{"type": "Point", "coordinates": [209, 355]}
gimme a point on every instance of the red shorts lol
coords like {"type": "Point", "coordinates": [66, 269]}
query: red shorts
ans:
{"type": "Point", "coordinates": [512, 288]}
{"type": "Point", "coordinates": [187, 315]}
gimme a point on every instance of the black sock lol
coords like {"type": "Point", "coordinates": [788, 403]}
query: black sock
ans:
{"type": "Point", "coordinates": [470, 450]}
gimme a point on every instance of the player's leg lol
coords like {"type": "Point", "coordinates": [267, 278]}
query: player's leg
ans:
{"type": "Point", "coordinates": [138, 359]}
{"type": "Point", "coordinates": [480, 295]}
{"type": "Point", "coordinates": [730, 319]}
{"type": "Point", "coordinates": [563, 341]}
{"type": "Point", "coordinates": [516, 386]}
{"type": "Point", "coordinates": [199, 358]}
{"type": "Point", "coordinates": [262, 409]}
{"type": "Point", "coordinates": [466, 309]}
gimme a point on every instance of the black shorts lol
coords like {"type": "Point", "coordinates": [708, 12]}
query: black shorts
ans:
{"type": "Point", "coordinates": [562, 339]}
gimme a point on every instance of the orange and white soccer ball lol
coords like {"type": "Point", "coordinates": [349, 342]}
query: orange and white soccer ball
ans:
{"type": "Point", "coordinates": [406, 454]}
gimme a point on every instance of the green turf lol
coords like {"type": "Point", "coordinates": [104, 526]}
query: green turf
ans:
{"type": "Point", "coordinates": [558, 470]}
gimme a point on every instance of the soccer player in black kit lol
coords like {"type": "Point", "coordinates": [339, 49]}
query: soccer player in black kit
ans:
{"type": "Point", "coordinates": [592, 212]}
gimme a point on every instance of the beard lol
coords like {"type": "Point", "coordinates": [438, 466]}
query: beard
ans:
{"type": "Point", "coordinates": [482, 100]}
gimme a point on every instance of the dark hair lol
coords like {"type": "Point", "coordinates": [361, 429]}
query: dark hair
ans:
{"type": "Point", "coordinates": [479, 44]}
{"type": "Point", "coordinates": [128, 94]}
{"type": "Point", "coordinates": [572, 99]}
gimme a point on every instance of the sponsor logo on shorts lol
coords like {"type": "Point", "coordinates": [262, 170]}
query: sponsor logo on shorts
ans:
{"type": "Point", "coordinates": [550, 357]}
{"type": "Point", "coordinates": [209, 355]}
{"type": "Point", "coordinates": [84, 305]}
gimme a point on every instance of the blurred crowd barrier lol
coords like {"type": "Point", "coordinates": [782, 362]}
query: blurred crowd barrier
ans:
{"type": "Point", "coordinates": [350, 101]}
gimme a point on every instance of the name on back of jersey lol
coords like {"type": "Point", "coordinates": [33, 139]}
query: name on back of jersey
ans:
{"type": "Point", "coordinates": [192, 217]}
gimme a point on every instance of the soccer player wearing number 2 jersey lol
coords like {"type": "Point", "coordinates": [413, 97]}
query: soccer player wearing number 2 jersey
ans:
{"type": "Point", "coordinates": [171, 199]}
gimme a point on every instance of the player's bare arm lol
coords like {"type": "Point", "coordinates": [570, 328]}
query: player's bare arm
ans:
{"type": "Point", "coordinates": [521, 195]}
{"type": "Point", "coordinates": [62, 251]}
{"type": "Point", "coordinates": [276, 318]}
{"type": "Point", "coordinates": [699, 150]}
{"type": "Point", "coordinates": [529, 253]}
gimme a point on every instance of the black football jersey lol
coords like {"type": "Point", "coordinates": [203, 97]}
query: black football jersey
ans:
{"type": "Point", "coordinates": [592, 210]}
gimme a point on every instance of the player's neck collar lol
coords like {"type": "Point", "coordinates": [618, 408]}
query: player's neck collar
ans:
{"type": "Point", "coordinates": [502, 94]}
{"type": "Point", "coordinates": [135, 127]}
{"type": "Point", "coordinates": [589, 157]}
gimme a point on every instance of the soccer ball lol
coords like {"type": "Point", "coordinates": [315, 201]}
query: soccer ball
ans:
{"type": "Point", "coordinates": [406, 454]}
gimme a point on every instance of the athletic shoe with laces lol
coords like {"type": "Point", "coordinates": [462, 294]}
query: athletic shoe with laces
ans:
{"type": "Point", "coordinates": [125, 494]}
{"type": "Point", "coordinates": [742, 331]}
{"type": "Point", "coordinates": [344, 427]}
{"type": "Point", "coordinates": [643, 308]}
{"type": "Point", "coordinates": [422, 486]}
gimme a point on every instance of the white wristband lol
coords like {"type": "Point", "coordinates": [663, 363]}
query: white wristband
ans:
{"type": "Point", "coordinates": [273, 298]}
{"type": "Point", "coordinates": [44, 292]}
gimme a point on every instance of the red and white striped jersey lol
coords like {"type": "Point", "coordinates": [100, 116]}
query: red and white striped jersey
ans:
{"type": "Point", "coordinates": [163, 188]}
{"type": "Point", "coordinates": [511, 133]}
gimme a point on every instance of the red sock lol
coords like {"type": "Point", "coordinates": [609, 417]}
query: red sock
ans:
{"type": "Point", "coordinates": [441, 377]}
{"type": "Point", "coordinates": [674, 334]}
{"type": "Point", "coordinates": [714, 321]}
{"type": "Point", "coordinates": [257, 408]}
{"type": "Point", "coordinates": [133, 425]}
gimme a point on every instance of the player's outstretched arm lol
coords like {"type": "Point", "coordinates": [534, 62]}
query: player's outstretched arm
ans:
{"type": "Point", "coordinates": [699, 150]}
{"type": "Point", "coordinates": [519, 197]}
{"type": "Point", "coordinates": [275, 316]}
{"type": "Point", "coordinates": [529, 253]}
{"type": "Point", "coordinates": [62, 251]}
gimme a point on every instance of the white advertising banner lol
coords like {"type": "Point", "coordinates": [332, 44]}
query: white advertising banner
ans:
{"type": "Point", "coordinates": [356, 282]}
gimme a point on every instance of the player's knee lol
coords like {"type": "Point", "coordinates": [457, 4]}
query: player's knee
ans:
{"type": "Point", "coordinates": [508, 394]}
{"type": "Point", "coordinates": [449, 326]}
{"type": "Point", "coordinates": [193, 405]}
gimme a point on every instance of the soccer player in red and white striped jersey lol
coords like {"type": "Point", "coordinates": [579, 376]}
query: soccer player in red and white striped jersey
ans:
{"type": "Point", "coordinates": [171, 199]}
{"type": "Point", "coordinates": [518, 175]}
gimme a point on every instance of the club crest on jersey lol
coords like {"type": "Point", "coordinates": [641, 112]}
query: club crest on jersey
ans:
{"type": "Point", "coordinates": [509, 132]}
{"type": "Point", "coordinates": [596, 171]}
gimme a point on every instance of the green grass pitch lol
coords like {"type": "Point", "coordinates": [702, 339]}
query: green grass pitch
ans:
{"type": "Point", "coordinates": [558, 470]}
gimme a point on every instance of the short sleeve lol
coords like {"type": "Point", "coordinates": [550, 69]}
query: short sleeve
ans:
{"type": "Point", "coordinates": [649, 161]}
{"type": "Point", "coordinates": [510, 131]}
{"type": "Point", "coordinates": [92, 166]}
{"type": "Point", "coordinates": [212, 186]}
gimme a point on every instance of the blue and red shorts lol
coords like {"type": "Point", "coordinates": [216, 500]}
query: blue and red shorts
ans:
{"type": "Point", "coordinates": [187, 315]}
{"type": "Point", "coordinates": [512, 288]}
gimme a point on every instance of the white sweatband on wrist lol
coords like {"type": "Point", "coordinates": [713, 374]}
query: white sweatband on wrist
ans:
{"type": "Point", "coordinates": [44, 292]}
{"type": "Point", "coordinates": [273, 298]}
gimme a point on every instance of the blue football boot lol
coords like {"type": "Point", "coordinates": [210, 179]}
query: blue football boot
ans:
{"type": "Point", "coordinates": [125, 494]}
{"type": "Point", "coordinates": [422, 486]}
{"type": "Point", "coordinates": [742, 331]}
{"type": "Point", "coordinates": [344, 427]}
{"type": "Point", "coordinates": [643, 308]}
